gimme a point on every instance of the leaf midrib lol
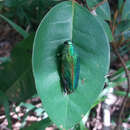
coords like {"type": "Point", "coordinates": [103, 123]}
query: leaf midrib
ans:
{"type": "Point", "coordinates": [67, 103]}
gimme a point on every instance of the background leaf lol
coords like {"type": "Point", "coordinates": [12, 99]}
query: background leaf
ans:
{"type": "Point", "coordinates": [16, 27]}
{"type": "Point", "coordinates": [103, 11]}
{"type": "Point", "coordinates": [41, 125]}
{"type": "Point", "coordinates": [61, 24]}
{"type": "Point", "coordinates": [16, 75]}
{"type": "Point", "coordinates": [126, 11]}
{"type": "Point", "coordinates": [123, 29]}
{"type": "Point", "coordinates": [28, 13]}
{"type": "Point", "coordinates": [5, 103]}
{"type": "Point", "coordinates": [120, 3]}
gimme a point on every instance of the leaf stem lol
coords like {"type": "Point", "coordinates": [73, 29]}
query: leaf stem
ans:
{"type": "Point", "coordinates": [114, 21]}
{"type": "Point", "coordinates": [99, 4]}
{"type": "Point", "coordinates": [84, 2]}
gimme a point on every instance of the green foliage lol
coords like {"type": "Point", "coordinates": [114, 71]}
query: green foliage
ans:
{"type": "Point", "coordinates": [90, 35]}
{"type": "Point", "coordinates": [41, 125]}
{"type": "Point", "coordinates": [62, 23]}
{"type": "Point", "coordinates": [126, 11]}
{"type": "Point", "coordinates": [121, 93]}
{"type": "Point", "coordinates": [16, 27]}
{"type": "Point", "coordinates": [82, 126]}
{"type": "Point", "coordinates": [16, 75]}
{"type": "Point", "coordinates": [5, 103]}
{"type": "Point", "coordinates": [29, 108]}
{"type": "Point", "coordinates": [120, 4]}
{"type": "Point", "coordinates": [120, 72]}
{"type": "Point", "coordinates": [102, 11]}
{"type": "Point", "coordinates": [123, 30]}
{"type": "Point", "coordinates": [26, 12]}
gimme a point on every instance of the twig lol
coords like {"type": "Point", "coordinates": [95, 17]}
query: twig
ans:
{"type": "Point", "coordinates": [99, 4]}
{"type": "Point", "coordinates": [84, 2]}
{"type": "Point", "coordinates": [114, 22]}
{"type": "Point", "coordinates": [128, 89]}
{"type": "Point", "coordinates": [122, 42]}
{"type": "Point", "coordinates": [119, 120]}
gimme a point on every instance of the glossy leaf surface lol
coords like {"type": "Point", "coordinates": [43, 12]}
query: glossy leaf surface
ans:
{"type": "Point", "coordinates": [70, 21]}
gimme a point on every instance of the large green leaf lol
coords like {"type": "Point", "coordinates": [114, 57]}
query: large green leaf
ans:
{"type": "Point", "coordinates": [16, 75]}
{"type": "Point", "coordinates": [103, 10]}
{"type": "Point", "coordinates": [105, 27]}
{"type": "Point", "coordinates": [126, 11]}
{"type": "Point", "coordinates": [70, 21]}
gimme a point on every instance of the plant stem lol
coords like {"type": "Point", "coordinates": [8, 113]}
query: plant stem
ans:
{"type": "Point", "coordinates": [94, 8]}
{"type": "Point", "coordinates": [114, 22]}
{"type": "Point", "coordinates": [128, 89]}
{"type": "Point", "coordinates": [99, 4]}
{"type": "Point", "coordinates": [84, 2]}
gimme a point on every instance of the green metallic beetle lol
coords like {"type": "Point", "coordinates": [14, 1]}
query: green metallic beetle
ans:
{"type": "Point", "coordinates": [70, 67]}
